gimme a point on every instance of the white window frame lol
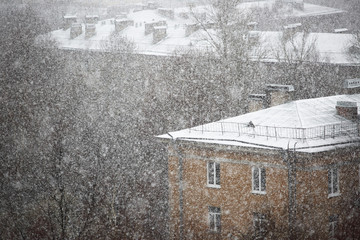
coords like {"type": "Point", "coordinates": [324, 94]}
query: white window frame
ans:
{"type": "Point", "coordinates": [333, 223]}
{"type": "Point", "coordinates": [215, 218]}
{"type": "Point", "coordinates": [257, 180]}
{"type": "Point", "coordinates": [213, 176]}
{"type": "Point", "coordinates": [333, 182]}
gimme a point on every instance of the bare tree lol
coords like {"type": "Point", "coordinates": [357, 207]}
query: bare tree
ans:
{"type": "Point", "coordinates": [297, 58]}
{"type": "Point", "coordinates": [354, 47]}
{"type": "Point", "coordinates": [226, 28]}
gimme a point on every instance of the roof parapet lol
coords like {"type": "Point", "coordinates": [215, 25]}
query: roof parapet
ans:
{"type": "Point", "coordinates": [273, 132]}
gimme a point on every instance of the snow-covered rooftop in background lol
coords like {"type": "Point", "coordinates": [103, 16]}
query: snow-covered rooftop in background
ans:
{"type": "Point", "coordinates": [312, 125]}
{"type": "Point", "coordinates": [308, 11]}
{"type": "Point", "coordinates": [332, 47]}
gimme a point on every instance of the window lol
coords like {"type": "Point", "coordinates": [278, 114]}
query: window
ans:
{"type": "Point", "coordinates": [214, 219]}
{"type": "Point", "coordinates": [258, 180]}
{"type": "Point", "coordinates": [333, 221]}
{"type": "Point", "coordinates": [333, 181]}
{"type": "Point", "coordinates": [213, 174]}
{"type": "Point", "coordinates": [260, 224]}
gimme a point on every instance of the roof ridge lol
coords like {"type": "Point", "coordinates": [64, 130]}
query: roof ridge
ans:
{"type": "Point", "coordinates": [298, 114]}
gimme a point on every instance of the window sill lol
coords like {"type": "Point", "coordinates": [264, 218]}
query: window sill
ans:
{"type": "Point", "coordinates": [258, 192]}
{"type": "Point", "coordinates": [333, 195]}
{"type": "Point", "coordinates": [213, 186]}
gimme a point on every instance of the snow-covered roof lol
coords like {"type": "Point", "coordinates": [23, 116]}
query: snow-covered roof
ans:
{"type": "Point", "coordinates": [332, 47]}
{"type": "Point", "coordinates": [308, 11]}
{"type": "Point", "coordinates": [312, 125]}
{"type": "Point", "coordinates": [70, 16]}
{"type": "Point", "coordinates": [315, 10]}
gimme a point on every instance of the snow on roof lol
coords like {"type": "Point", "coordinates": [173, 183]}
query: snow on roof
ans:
{"type": "Point", "coordinates": [332, 47]}
{"type": "Point", "coordinates": [308, 11]}
{"type": "Point", "coordinates": [70, 16]}
{"type": "Point", "coordinates": [312, 124]}
{"type": "Point", "coordinates": [315, 10]}
{"type": "Point", "coordinates": [341, 30]}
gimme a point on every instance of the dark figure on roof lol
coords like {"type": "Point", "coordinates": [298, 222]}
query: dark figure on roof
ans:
{"type": "Point", "coordinates": [251, 124]}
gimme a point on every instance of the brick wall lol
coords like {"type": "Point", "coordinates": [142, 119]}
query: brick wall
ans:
{"type": "Point", "coordinates": [237, 202]}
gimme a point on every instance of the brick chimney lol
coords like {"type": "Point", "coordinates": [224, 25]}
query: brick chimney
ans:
{"type": "Point", "coordinates": [166, 12]}
{"type": "Point", "coordinates": [352, 86]}
{"type": "Point", "coordinates": [122, 15]}
{"type": "Point", "coordinates": [68, 21]}
{"type": "Point", "coordinates": [121, 24]}
{"type": "Point", "coordinates": [347, 109]}
{"type": "Point", "coordinates": [159, 33]}
{"type": "Point", "coordinates": [149, 27]}
{"type": "Point", "coordinates": [277, 94]}
{"type": "Point", "coordinates": [256, 102]}
{"type": "Point", "coordinates": [76, 30]}
{"type": "Point", "coordinates": [91, 19]}
{"type": "Point", "coordinates": [90, 30]}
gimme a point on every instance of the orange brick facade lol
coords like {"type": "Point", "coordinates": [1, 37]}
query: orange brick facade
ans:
{"type": "Point", "coordinates": [298, 211]}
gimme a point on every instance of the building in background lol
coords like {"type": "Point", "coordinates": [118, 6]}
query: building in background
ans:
{"type": "Point", "coordinates": [290, 171]}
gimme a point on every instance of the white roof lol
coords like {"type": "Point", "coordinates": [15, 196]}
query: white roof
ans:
{"type": "Point", "coordinates": [70, 16]}
{"type": "Point", "coordinates": [332, 47]}
{"type": "Point", "coordinates": [312, 125]}
{"type": "Point", "coordinates": [309, 9]}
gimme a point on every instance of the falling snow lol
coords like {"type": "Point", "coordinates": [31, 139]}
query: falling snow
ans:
{"type": "Point", "coordinates": [173, 119]}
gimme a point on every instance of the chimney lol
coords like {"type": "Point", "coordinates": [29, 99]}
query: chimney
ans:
{"type": "Point", "coordinates": [352, 86]}
{"type": "Point", "coordinates": [256, 102]}
{"type": "Point", "coordinates": [277, 94]}
{"type": "Point", "coordinates": [92, 19]}
{"type": "Point", "coordinates": [90, 30]}
{"type": "Point", "coordinates": [292, 28]}
{"type": "Point", "coordinates": [341, 30]}
{"type": "Point", "coordinates": [347, 109]}
{"type": "Point", "coordinates": [159, 33]}
{"type": "Point", "coordinates": [149, 27]}
{"type": "Point", "coordinates": [121, 15]}
{"type": "Point", "coordinates": [251, 26]}
{"type": "Point", "coordinates": [151, 5]}
{"type": "Point", "coordinates": [121, 24]}
{"type": "Point", "coordinates": [76, 30]}
{"type": "Point", "coordinates": [166, 12]}
{"type": "Point", "coordinates": [68, 21]}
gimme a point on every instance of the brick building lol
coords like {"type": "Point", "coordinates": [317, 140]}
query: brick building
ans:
{"type": "Point", "coordinates": [286, 172]}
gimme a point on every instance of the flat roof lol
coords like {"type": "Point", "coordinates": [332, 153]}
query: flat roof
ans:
{"type": "Point", "coordinates": [312, 125]}
{"type": "Point", "coordinates": [331, 46]}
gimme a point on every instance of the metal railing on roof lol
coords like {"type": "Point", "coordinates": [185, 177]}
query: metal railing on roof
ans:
{"type": "Point", "coordinates": [349, 129]}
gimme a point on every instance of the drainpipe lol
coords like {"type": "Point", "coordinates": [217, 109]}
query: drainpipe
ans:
{"type": "Point", "coordinates": [291, 161]}
{"type": "Point", "coordinates": [180, 178]}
